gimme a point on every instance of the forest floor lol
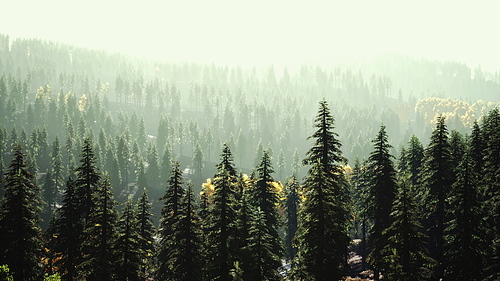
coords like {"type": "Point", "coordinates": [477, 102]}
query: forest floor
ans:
{"type": "Point", "coordinates": [358, 270]}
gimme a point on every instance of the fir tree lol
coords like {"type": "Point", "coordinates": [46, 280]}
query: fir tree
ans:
{"type": "Point", "coordinates": [187, 259]}
{"type": "Point", "coordinates": [437, 178]}
{"type": "Point", "coordinates": [146, 231]}
{"type": "Point", "coordinates": [68, 230]}
{"type": "Point", "coordinates": [87, 179]}
{"type": "Point", "coordinates": [405, 254]}
{"type": "Point", "coordinates": [128, 248]}
{"type": "Point", "coordinates": [265, 197]}
{"type": "Point", "coordinates": [382, 193]}
{"type": "Point", "coordinates": [322, 239]}
{"type": "Point", "coordinates": [170, 215]}
{"type": "Point", "coordinates": [465, 249]}
{"type": "Point", "coordinates": [292, 202]}
{"type": "Point", "coordinates": [264, 261]}
{"type": "Point", "coordinates": [99, 256]}
{"type": "Point", "coordinates": [220, 224]}
{"type": "Point", "coordinates": [20, 233]}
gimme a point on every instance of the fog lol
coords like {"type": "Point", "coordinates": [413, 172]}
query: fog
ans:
{"type": "Point", "coordinates": [249, 33]}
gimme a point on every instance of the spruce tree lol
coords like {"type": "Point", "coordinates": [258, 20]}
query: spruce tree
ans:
{"type": "Point", "coordinates": [437, 177]}
{"type": "Point", "coordinates": [465, 248]}
{"type": "Point", "coordinates": [68, 230]}
{"type": "Point", "coordinates": [383, 188]}
{"type": "Point", "coordinates": [221, 227]}
{"type": "Point", "coordinates": [292, 201]}
{"type": "Point", "coordinates": [414, 158]}
{"type": "Point", "coordinates": [87, 179]}
{"type": "Point", "coordinates": [129, 253]}
{"type": "Point", "coordinates": [263, 196]}
{"type": "Point", "coordinates": [322, 239]}
{"type": "Point", "coordinates": [146, 232]}
{"type": "Point", "coordinates": [405, 254]}
{"type": "Point", "coordinates": [20, 234]}
{"type": "Point", "coordinates": [187, 260]}
{"type": "Point", "coordinates": [99, 256]}
{"type": "Point", "coordinates": [170, 215]}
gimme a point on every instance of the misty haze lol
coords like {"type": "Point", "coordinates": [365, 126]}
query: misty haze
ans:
{"type": "Point", "coordinates": [263, 140]}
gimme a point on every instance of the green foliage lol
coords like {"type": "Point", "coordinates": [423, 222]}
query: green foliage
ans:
{"type": "Point", "coordinates": [437, 177]}
{"type": "Point", "coordinates": [5, 274]}
{"type": "Point", "coordinates": [382, 184]}
{"type": "Point", "coordinates": [405, 253]}
{"type": "Point", "coordinates": [99, 256]}
{"type": "Point", "coordinates": [322, 238]}
{"type": "Point", "coordinates": [20, 233]}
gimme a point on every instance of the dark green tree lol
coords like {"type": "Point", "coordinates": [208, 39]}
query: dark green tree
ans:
{"type": "Point", "coordinates": [147, 232]}
{"type": "Point", "coordinates": [87, 179]}
{"type": "Point", "coordinates": [466, 246]}
{"type": "Point", "coordinates": [221, 227]}
{"type": "Point", "coordinates": [322, 236]}
{"type": "Point", "coordinates": [129, 253]}
{"type": "Point", "coordinates": [406, 254]}
{"type": "Point", "coordinates": [20, 234]}
{"type": "Point", "coordinates": [99, 255]}
{"type": "Point", "coordinates": [187, 260]}
{"type": "Point", "coordinates": [67, 234]}
{"type": "Point", "coordinates": [383, 189]}
{"type": "Point", "coordinates": [265, 197]}
{"type": "Point", "coordinates": [170, 215]}
{"type": "Point", "coordinates": [292, 201]}
{"type": "Point", "coordinates": [437, 177]}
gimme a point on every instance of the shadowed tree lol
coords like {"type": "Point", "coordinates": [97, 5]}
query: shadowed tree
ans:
{"type": "Point", "coordinates": [20, 234]}
{"type": "Point", "coordinates": [322, 236]}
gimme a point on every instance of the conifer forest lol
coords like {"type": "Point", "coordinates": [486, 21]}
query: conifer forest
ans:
{"type": "Point", "coordinates": [122, 167]}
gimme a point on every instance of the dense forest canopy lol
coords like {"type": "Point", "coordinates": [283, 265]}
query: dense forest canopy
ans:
{"type": "Point", "coordinates": [120, 163]}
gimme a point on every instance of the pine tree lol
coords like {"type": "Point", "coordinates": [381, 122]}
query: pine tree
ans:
{"type": "Point", "coordinates": [153, 173]}
{"type": "Point", "coordinates": [68, 230]}
{"type": "Point", "coordinates": [292, 202]}
{"type": "Point", "coordinates": [265, 197]}
{"type": "Point", "coordinates": [170, 215]}
{"type": "Point", "coordinates": [198, 163]}
{"type": "Point", "coordinates": [405, 254]}
{"type": "Point", "coordinates": [382, 193]}
{"type": "Point", "coordinates": [128, 245]}
{"type": "Point", "coordinates": [87, 179]}
{"type": "Point", "coordinates": [322, 236]}
{"type": "Point", "coordinates": [465, 249]}
{"type": "Point", "coordinates": [20, 234]}
{"type": "Point", "coordinates": [491, 182]}
{"type": "Point", "coordinates": [437, 178]}
{"type": "Point", "coordinates": [188, 262]}
{"type": "Point", "coordinates": [99, 256]}
{"type": "Point", "coordinates": [57, 168]}
{"type": "Point", "coordinates": [220, 223]}
{"type": "Point", "coordinates": [415, 157]}
{"type": "Point", "coordinates": [264, 260]}
{"type": "Point", "coordinates": [146, 232]}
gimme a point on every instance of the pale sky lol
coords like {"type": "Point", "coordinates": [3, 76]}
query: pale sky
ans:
{"type": "Point", "coordinates": [266, 32]}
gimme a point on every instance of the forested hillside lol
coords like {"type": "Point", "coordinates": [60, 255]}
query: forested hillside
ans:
{"type": "Point", "coordinates": [116, 167]}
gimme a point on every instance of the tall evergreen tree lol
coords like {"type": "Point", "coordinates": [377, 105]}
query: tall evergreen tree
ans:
{"type": "Point", "coordinates": [220, 223]}
{"type": "Point", "coordinates": [146, 232]}
{"type": "Point", "coordinates": [68, 228]}
{"type": "Point", "coordinates": [187, 260]}
{"type": "Point", "coordinates": [382, 193]}
{"type": "Point", "coordinates": [128, 249]}
{"type": "Point", "coordinates": [405, 254]}
{"type": "Point", "coordinates": [465, 249]}
{"type": "Point", "coordinates": [292, 202]}
{"type": "Point", "coordinates": [170, 215]}
{"type": "Point", "coordinates": [322, 239]}
{"type": "Point", "coordinates": [20, 234]}
{"type": "Point", "coordinates": [87, 179]}
{"type": "Point", "coordinates": [414, 158]}
{"type": "Point", "coordinates": [437, 178]}
{"type": "Point", "coordinates": [99, 256]}
{"type": "Point", "coordinates": [265, 197]}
